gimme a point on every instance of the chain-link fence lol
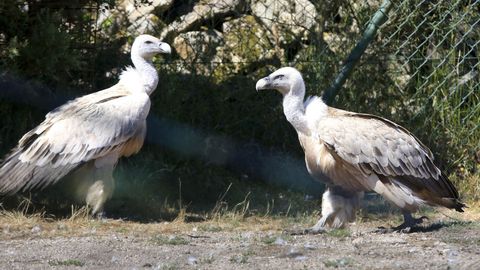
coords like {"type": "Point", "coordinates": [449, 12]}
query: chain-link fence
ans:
{"type": "Point", "coordinates": [436, 47]}
{"type": "Point", "coordinates": [433, 47]}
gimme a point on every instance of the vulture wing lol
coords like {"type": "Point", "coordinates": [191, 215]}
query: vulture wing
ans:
{"type": "Point", "coordinates": [375, 145]}
{"type": "Point", "coordinates": [83, 129]}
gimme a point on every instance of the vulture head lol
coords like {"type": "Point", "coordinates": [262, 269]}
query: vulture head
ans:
{"type": "Point", "coordinates": [147, 47]}
{"type": "Point", "coordinates": [286, 80]}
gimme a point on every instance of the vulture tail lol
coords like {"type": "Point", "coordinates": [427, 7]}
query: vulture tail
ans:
{"type": "Point", "coordinates": [436, 192]}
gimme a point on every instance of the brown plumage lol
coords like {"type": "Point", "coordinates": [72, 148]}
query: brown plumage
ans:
{"type": "Point", "coordinates": [360, 152]}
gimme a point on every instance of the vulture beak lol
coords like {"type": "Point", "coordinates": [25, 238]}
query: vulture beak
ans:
{"type": "Point", "coordinates": [263, 84]}
{"type": "Point", "coordinates": [165, 48]}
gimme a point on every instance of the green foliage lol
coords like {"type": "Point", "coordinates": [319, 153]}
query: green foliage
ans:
{"type": "Point", "coordinates": [339, 263]}
{"type": "Point", "coordinates": [172, 240]}
{"type": "Point", "coordinates": [69, 262]}
{"type": "Point", "coordinates": [339, 233]}
{"type": "Point", "coordinates": [43, 51]}
{"type": "Point", "coordinates": [272, 239]}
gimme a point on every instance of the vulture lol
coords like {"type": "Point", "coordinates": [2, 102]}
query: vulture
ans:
{"type": "Point", "coordinates": [360, 153]}
{"type": "Point", "coordinates": [86, 136]}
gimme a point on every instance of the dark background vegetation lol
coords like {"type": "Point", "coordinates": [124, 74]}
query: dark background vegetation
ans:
{"type": "Point", "coordinates": [208, 137]}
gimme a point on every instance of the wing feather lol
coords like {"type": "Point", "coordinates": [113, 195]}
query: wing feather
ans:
{"type": "Point", "coordinates": [376, 145]}
{"type": "Point", "coordinates": [81, 130]}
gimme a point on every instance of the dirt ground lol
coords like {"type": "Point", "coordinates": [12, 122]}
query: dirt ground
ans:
{"type": "Point", "coordinates": [249, 243]}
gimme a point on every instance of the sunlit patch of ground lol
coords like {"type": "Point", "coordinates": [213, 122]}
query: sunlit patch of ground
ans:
{"type": "Point", "coordinates": [236, 239]}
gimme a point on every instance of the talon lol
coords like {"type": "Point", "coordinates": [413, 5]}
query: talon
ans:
{"type": "Point", "coordinates": [408, 226]}
{"type": "Point", "coordinates": [101, 215]}
{"type": "Point", "coordinates": [314, 231]}
{"type": "Point", "coordinates": [295, 232]}
{"type": "Point", "coordinates": [405, 230]}
{"type": "Point", "coordinates": [423, 218]}
{"type": "Point", "coordinates": [383, 230]}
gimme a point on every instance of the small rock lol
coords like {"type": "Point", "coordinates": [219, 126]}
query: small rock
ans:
{"type": "Point", "coordinates": [279, 241]}
{"type": "Point", "coordinates": [445, 251]}
{"type": "Point", "coordinates": [294, 254]}
{"type": "Point", "coordinates": [452, 261]}
{"type": "Point", "coordinates": [358, 241]}
{"type": "Point", "coordinates": [452, 253]}
{"type": "Point", "coordinates": [247, 235]}
{"type": "Point", "coordinates": [114, 259]}
{"type": "Point", "coordinates": [310, 246]}
{"type": "Point", "coordinates": [192, 260]}
{"type": "Point", "coordinates": [36, 229]}
{"type": "Point", "coordinates": [301, 258]}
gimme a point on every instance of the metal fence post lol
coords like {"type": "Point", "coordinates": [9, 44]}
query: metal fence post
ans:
{"type": "Point", "coordinates": [379, 18]}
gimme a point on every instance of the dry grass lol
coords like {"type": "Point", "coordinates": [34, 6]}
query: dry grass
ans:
{"type": "Point", "coordinates": [23, 222]}
{"type": "Point", "coordinates": [26, 221]}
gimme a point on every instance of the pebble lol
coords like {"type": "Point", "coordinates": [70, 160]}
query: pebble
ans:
{"type": "Point", "coordinates": [310, 246]}
{"type": "Point", "coordinates": [36, 229]}
{"type": "Point", "coordinates": [192, 260]}
{"type": "Point", "coordinates": [294, 254]}
{"type": "Point", "coordinates": [279, 241]}
{"type": "Point", "coordinates": [246, 235]}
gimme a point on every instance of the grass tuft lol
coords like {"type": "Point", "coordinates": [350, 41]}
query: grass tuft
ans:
{"type": "Point", "coordinates": [336, 263]}
{"type": "Point", "coordinates": [69, 262]}
{"type": "Point", "coordinates": [339, 233]}
{"type": "Point", "coordinates": [171, 240]}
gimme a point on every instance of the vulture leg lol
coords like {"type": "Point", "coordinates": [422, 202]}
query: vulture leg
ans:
{"type": "Point", "coordinates": [98, 193]}
{"type": "Point", "coordinates": [102, 187]}
{"type": "Point", "coordinates": [338, 208]}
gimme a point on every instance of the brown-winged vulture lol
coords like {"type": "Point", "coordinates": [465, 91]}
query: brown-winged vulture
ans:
{"type": "Point", "coordinates": [87, 135]}
{"type": "Point", "coordinates": [360, 152]}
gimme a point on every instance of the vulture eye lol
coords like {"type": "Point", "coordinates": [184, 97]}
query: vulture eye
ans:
{"type": "Point", "coordinates": [148, 42]}
{"type": "Point", "coordinates": [278, 77]}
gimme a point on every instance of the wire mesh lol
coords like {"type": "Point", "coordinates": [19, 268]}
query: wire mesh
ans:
{"type": "Point", "coordinates": [437, 42]}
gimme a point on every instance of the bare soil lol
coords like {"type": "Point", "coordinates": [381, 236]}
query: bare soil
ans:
{"type": "Point", "coordinates": [250, 243]}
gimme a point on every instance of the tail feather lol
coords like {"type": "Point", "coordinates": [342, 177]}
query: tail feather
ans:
{"type": "Point", "coordinates": [436, 192]}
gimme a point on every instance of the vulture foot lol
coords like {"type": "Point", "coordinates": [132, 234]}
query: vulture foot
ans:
{"type": "Point", "coordinates": [100, 215]}
{"type": "Point", "coordinates": [407, 226]}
